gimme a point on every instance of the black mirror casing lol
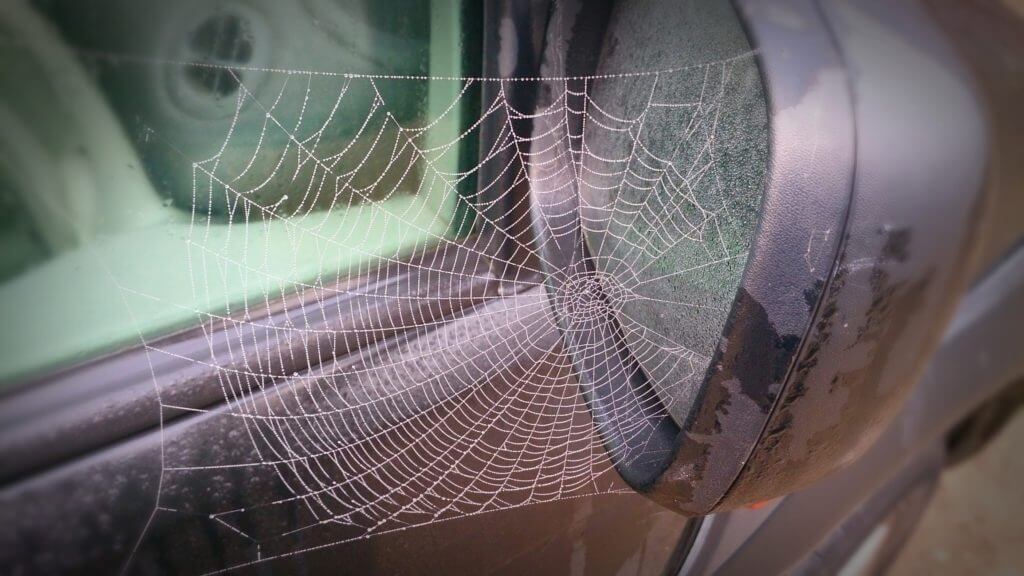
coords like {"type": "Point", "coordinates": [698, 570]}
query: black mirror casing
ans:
{"type": "Point", "coordinates": [877, 150]}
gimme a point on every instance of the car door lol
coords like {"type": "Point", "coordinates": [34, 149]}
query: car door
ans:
{"type": "Point", "coordinates": [535, 286]}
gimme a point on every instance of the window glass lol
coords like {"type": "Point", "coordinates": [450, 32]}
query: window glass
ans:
{"type": "Point", "coordinates": [162, 163]}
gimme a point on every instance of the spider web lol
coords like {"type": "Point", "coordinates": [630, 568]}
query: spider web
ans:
{"type": "Point", "coordinates": [409, 418]}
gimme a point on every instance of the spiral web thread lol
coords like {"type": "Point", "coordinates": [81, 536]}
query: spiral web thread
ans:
{"type": "Point", "coordinates": [445, 419]}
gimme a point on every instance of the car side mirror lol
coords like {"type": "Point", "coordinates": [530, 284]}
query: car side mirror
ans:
{"type": "Point", "coordinates": [867, 179]}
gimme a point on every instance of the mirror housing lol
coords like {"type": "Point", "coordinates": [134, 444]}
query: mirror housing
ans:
{"type": "Point", "coordinates": [877, 151]}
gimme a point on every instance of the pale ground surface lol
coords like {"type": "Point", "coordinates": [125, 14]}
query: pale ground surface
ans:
{"type": "Point", "coordinates": [975, 523]}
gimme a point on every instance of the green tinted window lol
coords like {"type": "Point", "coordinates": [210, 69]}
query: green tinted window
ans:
{"type": "Point", "coordinates": [164, 163]}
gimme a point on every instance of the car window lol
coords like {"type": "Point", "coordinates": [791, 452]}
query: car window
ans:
{"type": "Point", "coordinates": [167, 164]}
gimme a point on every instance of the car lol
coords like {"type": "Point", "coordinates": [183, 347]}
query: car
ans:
{"type": "Point", "coordinates": [550, 286]}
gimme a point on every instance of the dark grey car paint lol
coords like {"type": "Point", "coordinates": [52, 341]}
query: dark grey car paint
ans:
{"type": "Point", "coordinates": [980, 354]}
